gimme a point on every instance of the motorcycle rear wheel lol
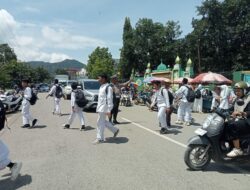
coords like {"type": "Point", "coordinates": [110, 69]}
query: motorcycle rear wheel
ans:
{"type": "Point", "coordinates": [192, 157]}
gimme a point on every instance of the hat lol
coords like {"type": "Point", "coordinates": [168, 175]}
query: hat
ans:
{"type": "Point", "coordinates": [114, 76]}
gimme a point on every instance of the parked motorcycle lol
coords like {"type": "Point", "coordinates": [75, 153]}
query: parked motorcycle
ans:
{"type": "Point", "coordinates": [211, 143]}
{"type": "Point", "coordinates": [12, 102]}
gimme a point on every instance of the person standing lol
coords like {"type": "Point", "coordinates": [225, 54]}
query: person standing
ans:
{"type": "Point", "coordinates": [76, 110]}
{"type": "Point", "coordinates": [224, 98]}
{"type": "Point", "coordinates": [27, 94]}
{"type": "Point", "coordinates": [198, 102]}
{"type": "Point", "coordinates": [116, 100]}
{"type": "Point", "coordinates": [57, 93]}
{"type": "Point", "coordinates": [162, 100]}
{"type": "Point", "coordinates": [216, 99]}
{"type": "Point", "coordinates": [184, 109]}
{"type": "Point", "coordinates": [104, 107]}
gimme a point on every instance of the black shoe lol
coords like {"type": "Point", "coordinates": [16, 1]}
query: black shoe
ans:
{"type": "Point", "coordinates": [26, 126]}
{"type": "Point", "coordinates": [34, 122]}
{"type": "Point", "coordinates": [116, 122]}
{"type": "Point", "coordinates": [66, 126]}
{"type": "Point", "coordinates": [83, 128]}
{"type": "Point", "coordinates": [163, 131]}
{"type": "Point", "coordinates": [116, 133]}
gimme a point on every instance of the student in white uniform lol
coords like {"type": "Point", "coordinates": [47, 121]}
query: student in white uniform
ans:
{"type": "Point", "coordinates": [216, 98]}
{"type": "Point", "coordinates": [104, 107]}
{"type": "Point", "coordinates": [57, 97]}
{"type": "Point", "coordinates": [76, 110]}
{"type": "Point", "coordinates": [27, 118]}
{"type": "Point", "coordinates": [198, 102]}
{"type": "Point", "coordinates": [224, 97]}
{"type": "Point", "coordinates": [185, 107]}
{"type": "Point", "coordinates": [4, 151]}
{"type": "Point", "coordinates": [162, 100]}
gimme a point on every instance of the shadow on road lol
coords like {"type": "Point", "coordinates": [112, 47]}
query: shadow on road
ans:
{"type": "Point", "coordinates": [117, 140]}
{"type": "Point", "coordinates": [225, 169]}
{"type": "Point", "coordinates": [38, 127]}
{"type": "Point", "coordinates": [195, 124]}
{"type": "Point", "coordinates": [124, 123]}
{"type": "Point", "coordinates": [89, 128]}
{"type": "Point", "coordinates": [65, 114]}
{"type": "Point", "coordinates": [7, 184]}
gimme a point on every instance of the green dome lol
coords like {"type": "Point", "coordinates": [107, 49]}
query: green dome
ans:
{"type": "Point", "coordinates": [162, 67]}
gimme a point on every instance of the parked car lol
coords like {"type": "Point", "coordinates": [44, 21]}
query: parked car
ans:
{"type": "Point", "coordinates": [43, 88]}
{"type": "Point", "coordinates": [91, 90]}
{"type": "Point", "coordinates": [67, 89]}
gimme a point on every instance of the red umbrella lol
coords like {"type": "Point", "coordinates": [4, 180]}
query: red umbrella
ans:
{"type": "Point", "coordinates": [179, 80]}
{"type": "Point", "coordinates": [211, 77]}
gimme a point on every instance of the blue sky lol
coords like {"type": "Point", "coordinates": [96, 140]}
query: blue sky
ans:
{"type": "Point", "coordinates": [52, 30]}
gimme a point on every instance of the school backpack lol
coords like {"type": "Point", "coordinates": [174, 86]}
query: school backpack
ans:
{"type": "Point", "coordinates": [198, 94]}
{"type": "Point", "coordinates": [106, 91]}
{"type": "Point", "coordinates": [33, 98]}
{"type": "Point", "coordinates": [80, 99]}
{"type": "Point", "coordinates": [190, 95]}
{"type": "Point", "coordinates": [2, 115]}
{"type": "Point", "coordinates": [170, 96]}
{"type": "Point", "coordinates": [59, 92]}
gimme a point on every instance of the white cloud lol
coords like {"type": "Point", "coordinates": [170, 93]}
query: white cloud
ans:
{"type": "Point", "coordinates": [41, 43]}
{"type": "Point", "coordinates": [31, 9]}
{"type": "Point", "coordinates": [62, 39]}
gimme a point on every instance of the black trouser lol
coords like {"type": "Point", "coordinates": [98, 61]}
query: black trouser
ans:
{"type": "Point", "coordinates": [237, 129]}
{"type": "Point", "coordinates": [115, 109]}
{"type": "Point", "coordinates": [168, 116]}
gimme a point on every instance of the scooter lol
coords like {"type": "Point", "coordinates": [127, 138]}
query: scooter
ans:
{"type": "Point", "coordinates": [11, 102]}
{"type": "Point", "coordinates": [211, 142]}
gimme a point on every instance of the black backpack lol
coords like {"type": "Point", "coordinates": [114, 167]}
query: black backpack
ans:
{"type": "Point", "coordinates": [190, 95]}
{"type": "Point", "coordinates": [59, 92]}
{"type": "Point", "coordinates": [114, 96]}
{"type": "Point", "coordinates": [170, 96]}
{"type": "Point", "coordinates": [33, 98]}
{"type": "Point", "coordinates": [2, 115]}
{"type": "Point", "coordinates": [198, 94]}
{"type": "Point", "coordinates": [81, 101]}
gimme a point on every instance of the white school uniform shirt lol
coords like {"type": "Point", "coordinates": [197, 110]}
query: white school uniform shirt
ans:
{"type": "Point", "coordinates": [73, 99]}
{"type": "Point", "coordinates": [182, 93]}
{"type": "Point", "coordinates": [27, 95]}
{"type": "Point", "coordinates": [162, 101]}
{"type": "Point", "coordinates": [224, 101]}
{"type": "Point", "coordinates": [105, 100]}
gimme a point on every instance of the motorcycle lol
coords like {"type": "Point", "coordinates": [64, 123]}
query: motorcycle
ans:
{"type": "Point", "coordinates": [126, 99]}
{"type": "Point", "coordinates": [211, 142]}
{"type": "Point", "coordinates": [12, 102]}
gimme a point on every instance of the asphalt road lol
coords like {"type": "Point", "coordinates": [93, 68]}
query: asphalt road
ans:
{"type": "Point", "coordinates": [59, 159]}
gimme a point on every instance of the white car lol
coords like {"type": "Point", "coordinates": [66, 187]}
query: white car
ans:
{"type": "Point", "coordinates": [67, 89]}
{"type": "Point", "coordinates": [91, 91]}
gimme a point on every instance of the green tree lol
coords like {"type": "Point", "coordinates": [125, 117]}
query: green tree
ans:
{"type": "Point", "coordinates": [100, 61]}
{"type": "Point", "coordinates": [6, 54]}
{"type": "Point", "coordinates": [61, 72]}
{"type": "Point", "coordinates": [127, 61]}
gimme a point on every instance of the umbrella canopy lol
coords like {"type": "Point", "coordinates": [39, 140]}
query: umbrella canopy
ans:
{"type": "Point", "coordinates": [161, 79]}
{"type": "Point", "coordinates": [179, 80]}
{"type": "Point", "coordinates": [211, 77]}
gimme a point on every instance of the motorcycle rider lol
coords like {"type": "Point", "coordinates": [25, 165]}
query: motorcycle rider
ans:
{"type": "Point", "coordinates": [241, 125]}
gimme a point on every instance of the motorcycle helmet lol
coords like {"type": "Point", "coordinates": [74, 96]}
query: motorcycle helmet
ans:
{"type": "Point", "coordinates": [243, 86]}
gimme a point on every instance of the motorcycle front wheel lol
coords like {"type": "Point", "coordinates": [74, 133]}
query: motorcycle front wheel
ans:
{"type": "Point", "coordinates": [193, 157]}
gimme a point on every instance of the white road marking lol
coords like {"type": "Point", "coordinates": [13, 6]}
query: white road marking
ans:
{"type": "Point", "coordinates": [156, 133]}
{"type": "Point", "coordinates": [238, 169]}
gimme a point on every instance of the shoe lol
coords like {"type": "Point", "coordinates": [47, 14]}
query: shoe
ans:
{"type": "Point", "coordinates": [187, 123]}
{"type": "Point", "coordinates": [163, 131]}
{"type": "Point", "coordinates": [15, 170]}
{"type": "Point", "coordinates": [66, 126]}
{"type": "Point", "coordinates": [98, 141]}
{"type": "Point", "coordinates": [83, 128]}
{"type": "Point", "coordinates": [116, 122]}
{"type": "Point", "coordinates": [26, 126]}
{"type": "Point", "coordinates": [179, 122]}
{"type": "Point", "coordinates": [116, 133]}
{"type": "Point", "coordinates": [235, 152]}
{"type": "Point", "coordinates": [34, 122]}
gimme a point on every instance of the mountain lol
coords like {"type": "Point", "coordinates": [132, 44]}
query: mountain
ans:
{"type": "Point", "coordinates": [51, 67]}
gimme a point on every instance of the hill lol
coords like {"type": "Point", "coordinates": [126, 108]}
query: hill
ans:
{"type": "Point", "coordinates": [51, 67]}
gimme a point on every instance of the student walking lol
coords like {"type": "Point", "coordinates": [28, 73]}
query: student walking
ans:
{"type": "Point", "coordinates": [77, 95]}
{"type": "Point", "coordinates": [162, 100]}
{"type": "Point", "coordinates": [104, 107]}
{"type": "Point", "coordinates": [27, 95]}
{"type": "Point", "coordinates": [57, 93]}
{"type": "Point", "coordinates": [4, 151]}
